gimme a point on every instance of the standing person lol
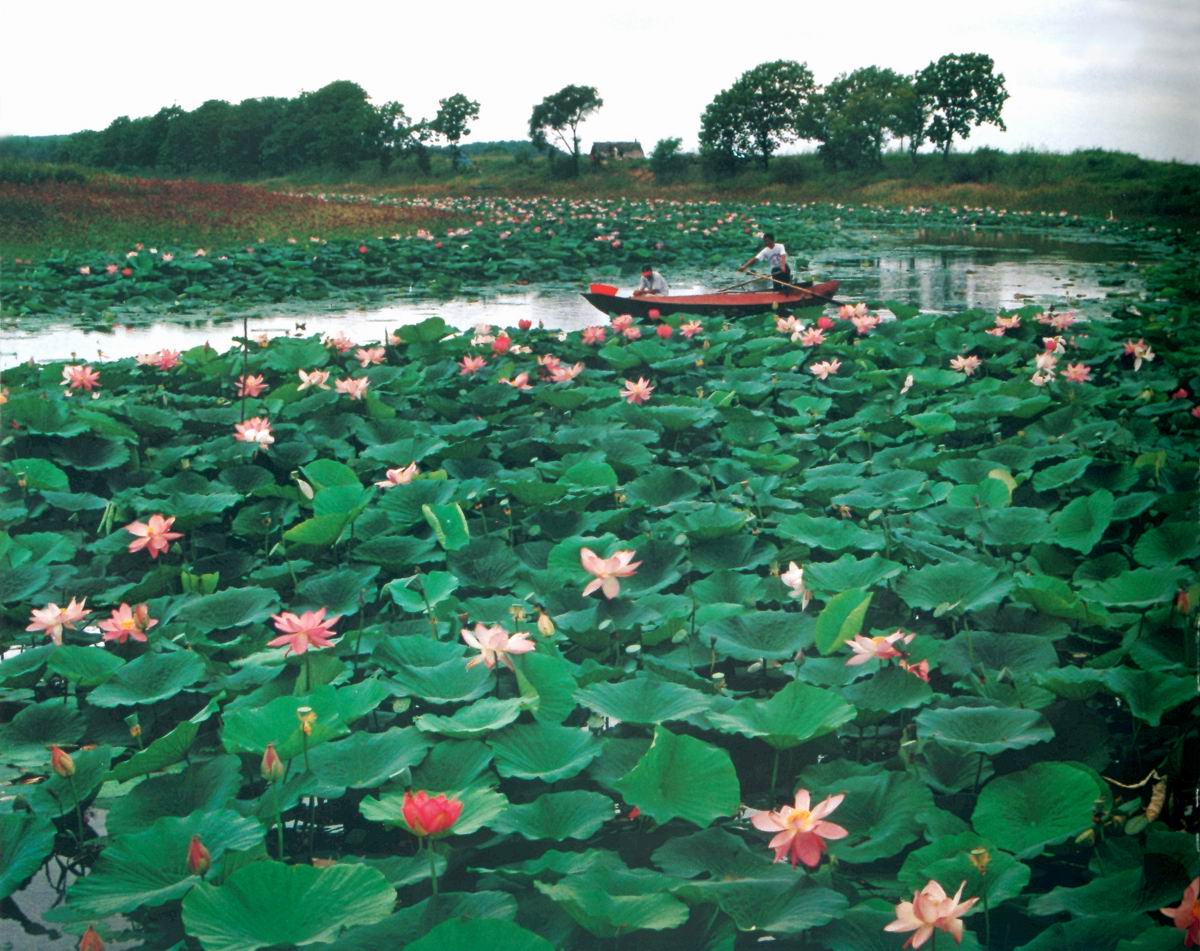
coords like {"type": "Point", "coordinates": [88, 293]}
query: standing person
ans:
{"type": "Point", "coordinates": [774, 255]}
{"type": "Point", "coordinates": [652, 283]}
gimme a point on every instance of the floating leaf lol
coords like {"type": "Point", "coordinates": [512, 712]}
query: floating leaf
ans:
{"type": "Point", "coordinates": [663, 783]}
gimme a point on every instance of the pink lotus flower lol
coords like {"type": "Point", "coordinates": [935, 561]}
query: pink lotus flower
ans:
{"type": "Point", "coordinates": [1179, 394]}
{"type": "Point", "coordinates": [548, 362]}
{"type": "Point", "coordinates": [81, 377]}
{"type": "Point", "coordinates": [690, 329]}
{"type": "Point", "coordinates": [1041, 379]}
{"type": "Point", "coordinates": [788, 325]}
{"type": "Point", "coordinates": [876, 648]}
{"type": "Point", "coordinates": [1008, 323]}
{"type": "Point", "coordinates": [1077, 373]}
{"type": "Point", "coordinates": [664, 330]}
{"type": "Point", "coordinates": [920, 671]}
{"type": "Point", "coordinates": [310, 630]}
{"type": "Point", "coordinates": [166, 359]}
{"type": "Point", "coordinates": [311, 378]}
{"type": "Point", "coordinates": [995, 331]}
{"type": "Point", "coordinates": [607, 571]}
{"type": "Point", "coordinates": [524, 323]}
{"type": "Point", "coordinates": [52, 619]}
{"type": "Point", "coordinates": [110, 269]}
{"type": "Point", "coordinates": [167, 257]}
{"type": "Point", "coordinates": [638, 392]}
{"type": "Point", "coordinates": [622, 323]}
{"type": "Point", "coordinates": [864, 323]}
{"type": "Point", "coordinates": [370, 356]}
{"type": "Point", "coordinates": [931, 909]}
{"type": "Point", "coordinates": [494, 644]}
{"type": "Point", "coordinates": [501, 344]}
{"type": "Point", "coordinates": [850, 311]}
{"type": "Point", "coordinates": [251, 385]}
{"type": "Point", "coordinates": [155, 535]}
{"type": "Point", "coordinates": [257, 430]}
{"type": "Point", "coordinates": [341, 343]}
{"type": "Point", "coordinates": [354, 387]}
{"type": "Point", "coordinates": [399, 476]}
{"type": "Point", "coordinates": [825, 369]}
{"type": "Point", "coordinates": [593, 335]}
{"type": "Point", "coordinates": [469, 366]}
{"type": "Point", "coordinates": [1046, 362]}
{"type": "Point", "coordinates": [653, 313]}
{"type": "Point", "coordinates": [801, 830]}
{"type": "Point", "coordinates": [965, 365]}
{"type": "Point", "coordinates": [812, 337]}
{"type": "Point", "coordinates": [128, 622]}
{"type": "Point", "coordinates": [1140, 352]}
{"type": "Point", "coordinates": [519, 382]}
{"type": "Point", "coordinates": [793, 578]}
{"type": "Point", "coordinates": [1187, 914]}
{"type": "Point", "coordinates": [428, 815]}
{"type": "Point", "coordinates": [561, 374]}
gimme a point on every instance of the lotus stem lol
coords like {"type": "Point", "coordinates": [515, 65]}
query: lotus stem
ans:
{"type": "Point", "coordinates": [433, 878]}
{"type": "Point", "coordinates": [774, 771]}
{"type": "Point", "coordinates": [279, 823]}
{"type": "Point", "coordinates": [308, 688]}
{"type": "Point", "coordinates": [979, 773]}
{"type": "Point", "coordinates": [78, 811]}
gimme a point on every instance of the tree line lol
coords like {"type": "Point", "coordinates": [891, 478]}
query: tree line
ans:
{"type": "Point", "coordinates": [851, 120]}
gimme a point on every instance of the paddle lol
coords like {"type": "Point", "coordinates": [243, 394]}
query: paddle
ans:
{"type": "Point", "coordinates": [796, 287]}
{"type": "Point", "coordinates": [722, 290]}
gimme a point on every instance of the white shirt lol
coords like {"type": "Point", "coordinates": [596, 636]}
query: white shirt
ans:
{"type": "Point", "coordinates": [774, 256]}
{"type": "Point", "coordinates": [655, 283]}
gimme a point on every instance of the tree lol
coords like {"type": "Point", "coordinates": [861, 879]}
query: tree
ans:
{"type": "Point", "coordinates": [766, 107]}
{"type": "Point", "coordinates": [564, 110]}
{"type": "Point", "coordinates": [451, 121]}
{"type": "Point", "coordinates": [667, 161]}
{"type": "Point", "coordinates": [958, 92]}
{"type": "Point", "coordinates": [398, 136]}
{"type": "Point", "coordinates": [854, 115]}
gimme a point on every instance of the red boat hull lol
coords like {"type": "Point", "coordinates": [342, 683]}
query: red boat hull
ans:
{"type": "Point", "coordinates": [735, 304]}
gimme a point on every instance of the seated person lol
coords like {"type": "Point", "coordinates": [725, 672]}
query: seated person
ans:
{"type": "Point", "coordinates": [652, 283]}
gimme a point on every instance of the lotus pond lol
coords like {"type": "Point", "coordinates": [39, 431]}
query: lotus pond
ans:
{"type": "Point", "coordinates": [811, 630]}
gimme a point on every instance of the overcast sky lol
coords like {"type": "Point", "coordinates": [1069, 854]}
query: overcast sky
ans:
{"type": "Point", "coordinates": [1116, 74]}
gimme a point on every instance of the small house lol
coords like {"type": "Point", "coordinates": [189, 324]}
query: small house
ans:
{"type": "Point", "coordinates": [603, 151]}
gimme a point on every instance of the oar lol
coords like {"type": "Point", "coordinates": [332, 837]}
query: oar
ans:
{"type": "Point", "coordinates": [795, 287]}
{"type": "Point", "coordinates": [731, 287]}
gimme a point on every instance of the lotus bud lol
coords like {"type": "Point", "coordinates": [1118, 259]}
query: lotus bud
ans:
{"type": "Point", "coordinates": [305, 488]}
{"type": "Point", "coordinates": [517, 611]}
{"type": "Point", "coordinates": [61, 762]}
{"type": "Point", "coordinates": [545, 625]}
{"type": "Point", "coordinates": [307, 717]}
{"type": "Point", "coordinates": [1183, 604]}
{"type": "Point", "coordinates": [272, 765]}
{"type": "Point", "coordinates": [91, 941]}
{"type": "Point", "coordinates": [199, 859]}
{"type": "Point", "coordinates": [980, 858]}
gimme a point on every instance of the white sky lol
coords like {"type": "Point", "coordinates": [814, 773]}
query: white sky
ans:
{"type": "Point", "coordinates": [1116, 74]}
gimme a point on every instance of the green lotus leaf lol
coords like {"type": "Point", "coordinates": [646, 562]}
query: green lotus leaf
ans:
{"type": "Point", "coordinates": [202, 787]}
{"type": "Point", "coordinates": [24, 668]}
{"type": "Point", "coordinates": [841, 619]}
{"type": "Point", "coordinates": [558, 816]}
{"type": "Point", "coordinates": [663, 785]}
{"type": "Point", "coordinates": [950, 859]}
{"type": "Point", "coordinates": [541, 751]}
{"type": "Point", "coordinates": [1083, 522]}
{"type": "Point", "coordinates": [1138, 588]}
{"type": "Point", "coordinates": [1063, 473]}
{"type": "Point", "coordinates": [461, 934]}
{"type": "Point", "coordinates": [412, 922]}
{"type": "Point", "coordinates": [1040, 806]}
{"type": "Point", "coordinates": [793, 715]}
{"type": "Point", "coordinates": [611, 902]}
{"type": "Point", "coordinates": [22, 582]}
{"type": "Point", "coordinates": [774, 635]}
{"type": "Point", "coordinates": [547, 684]}
{"type": "Point", "coordinates": [250, 730]}
{"type": "Point", "coordinates": [829, 534]}
{"type": "Point", "coordinates": [1150, 694]}
{"type": "Point", "coordinates": [987, 730]}
{"type": "Point", "coordinates": [85, 666]}
{"type": "Point", "coordinates": [149, 679]}
{"type": "Point", "coordinates": [233, 607]}
{"type": "Point", "coordinates": [482, 717]}
{"type": "Point", "coordinates": [643, 700]}
{"type": "Point", "coordinates": [773, 906]}
{"type": "Point", "coordinates": [888, 691]}
{"type": "Point", "coordinates": [166, 750]}
{"type": "Point", "coordinates": [26, 739]}
{"type": "Point", "coordinates": [57, 795]}
{"type": "Point", "coordinates": [849, 572]}
{"type": "Point", "coordinates": [150, 868]}
{"type": "Point", "coordinates": [453, 764]}
{"type": "Point", "coordinates": [25, 842]}
{"type": "Point", "coordinates": [953, 586]}
{"type": "Point", "coordinates": [1168, 544]}
{"type": "Point", "coordinates": [366, 760]}
{"type": "Point", "coordinates": [269, 903]}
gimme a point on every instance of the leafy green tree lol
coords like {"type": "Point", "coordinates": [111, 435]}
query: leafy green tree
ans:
{"type": "Point", "coordinates": [855, 114]}
{"type": "Point", "coordinates": [562, 111]}
{"type": "Point", "coordinates": [766, 107]}
{"type": "Point", "coordinates": [667, 161]}
{"type": "Point", "coordinates": [339, 125]}
{"type": "Point", "coordinates": [451, 121]}
{"type": "Point", "coordinates": [192, 140]}
{"type": "Point", "coordinates": [958, 92]}
{"type": "Point", "coordinates": [397, 136]}
{"type": "Point", "coordinates": [246, 129]}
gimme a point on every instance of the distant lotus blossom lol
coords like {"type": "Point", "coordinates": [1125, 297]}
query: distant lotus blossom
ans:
{"type": "Point", "coordinates": [341, 343]}
{"type": "Point", "coordinates": [1196, 410]}
{"type": "Point", "coordinates": [399, 476]}
{"type": "Point", "coordinates": [1187, 915]}
{"type": "Point", "coordinates": [494, 644]}
{"type": "Point", "coordinates": [1054, 344]}
{"type": "Point", "coordinates": [825, 322]}
{"type": "Point", "coordinates": [110, 269]}
{"type": "Point", "coordinates": [920, 670]}
{"type": "Point", "coordinates": [788, 325]}
{"type": "Point", "coordinates": [653, 313]}
{"type": "Point", "coordinates": [154, 535]}
{"type": "Point", "coordinates": [1046, 362]}
{"type": "Point", "coordinates": [965, 365]}
{"type": "Point", "coordinates": [127, 622]}
{"type": "Point", "coordinates": [428, 815]}
{"type": "Point", "coordinates": [1041, 379]}
{"type": "Point", "coordinates": [524, 323]}
{"type": "Point", "coordinates": [593, 335]}
{"type": "Point", "coordinates": [311, 378]}
{"type": "Point", "coordinates": [876, 648]}
{"type": "Point", "coordinates": [690, 329]}
{"type": "Point", "coordinates": [908, 384]}
{"type": "Point", "coordinates": [469, 366]}
{"type": "Point", "coordinates": [370, 356]}
{"type": "Point", "coordinates": [519, 382]}
{"type": "Point", "coordinates": [638, 392]}
{"type": "Point", "coordinates": [1077, 373]}
{"type": "Point", "coordinates": [1140, 352]}
{"type": "Point", "coordinates": [608, 571]}
{"type": "Point", "coordinates": [664, 331]}
{"type": "Point", "coordinates": [85, 270]}
{"type": "Point", "coordinates": [167, 257]}
{"type": "Point", "coordinates": [812, 337]}
{"type": "Point", "coordinates": [1063, 321]}
{"type": "Point", "coordinates": [1180, 394]}
{"type": "Point", "coordinates": [801, 829]}
{"type": "Point", "coordinates": [310, 630]}
{"type": "Point", "coordinates": [354, 387]}
{"type": "Point", "coordinates": [52, 619]}
{"type": "Point", "coordinates": [995, 331]}
{"type": "Point", "coordinates": [931, 910]}
{"type": "Point", "coordinates": [562, 374]}
{"type": "Point", "coordinates": [865, 323]}
{"type": "Point", "coordinates": [1008, 323]}
{"type": "Point", "coordinates": [81, 377]}
{"type": "Point", "coordinates": [793, 578]}
{"type": "Point", "coordinates": [263, 340]}
{"type": "Point", "coordinates": [395, 339]}
{"type": "Point", "coordinates": [199, 253]}
{"type": "Point", "coordinates": [825, 369]}
{"type": "Point", "coordinates": [548, 362]}
{"type": "Point", "coordinates": [621, 323]}
{"type": "Point", "coordinates": [850, 311]}
{"type": "Point", "coordinates": [257, 430]}
{"type": "Point", "coordinates": [251, 385]}
{"type": "Point", "coordinates": [501, 344]}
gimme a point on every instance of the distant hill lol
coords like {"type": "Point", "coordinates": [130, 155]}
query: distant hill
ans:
{"type": "Point", "coordinates": [34, 148]}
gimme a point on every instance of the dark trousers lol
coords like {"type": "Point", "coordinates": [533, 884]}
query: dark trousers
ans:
{"type": "Point", "coordinates": [780, 277]}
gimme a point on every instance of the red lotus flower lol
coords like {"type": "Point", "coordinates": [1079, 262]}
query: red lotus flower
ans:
{"type": "Point", "coordinates": [155, 535]}
{"type": "Point", "coordinates": [664, 330]}
{"type": "Point", "coordinates": [126, 623]}
{"type": "Point", "coordinates": [1180, 394]}
{"type": "Point", "coordinates": [61, 762]}
{"type": "Point", "coordinates": [199, 860]}
{"type": "Point", "coordinates": [126, 272]}
{"type": "Point", "coordinates": [362, 249]}
{"type": "Point", "coordinates": [301, 632]}
{"type": "Point", "coordinates": [801, 830]}
{"type": "Point", "coordinates": [608, 571]}
{"type": "Point", "coordinates": [428, 815]}
{"type": "Point", "coordinates": [1187, 914]}
{"type": "Point", "coordinates": [501, 344]}
{"type": "Point", "coordinates": [825, 323]}
{"type": "Point", "coordinates": [931, 909]}
{"type": "Point", "coordinates": [91, 940]}
{"type": "Point", "coordinates": [524, 323]}
{"type": "Point", "coordinates": [272, 766]}
{"type": "Point", "coordinates": [653, 313]}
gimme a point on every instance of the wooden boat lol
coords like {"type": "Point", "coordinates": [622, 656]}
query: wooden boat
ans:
{"type": "Point", "coordinates": [730, 303]}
